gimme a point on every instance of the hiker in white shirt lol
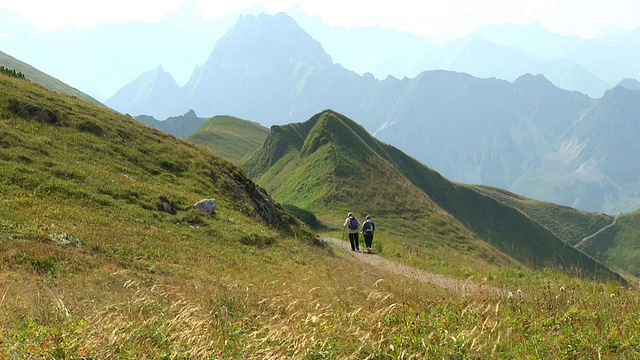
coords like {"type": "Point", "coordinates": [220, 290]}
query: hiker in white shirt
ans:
{"type": "Point", "coordinates": [353, 225]}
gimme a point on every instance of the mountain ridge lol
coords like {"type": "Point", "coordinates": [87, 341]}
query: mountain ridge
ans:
{"type": "Point", "coordinates": [383, 172]}
{"type": "Point", "coordinates": [395, 53]}
{"type": "Point", "coordinates": [230, 137]}
{"type": "Point", "coordinates": [180, 126]}
{"type": "Point", "coordinates": [154, 88]}
{"type": "Point", "coordinates": [513, 135]}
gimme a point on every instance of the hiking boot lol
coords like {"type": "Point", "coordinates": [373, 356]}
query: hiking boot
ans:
{"type": "Point", "coordinates": [369, 250]}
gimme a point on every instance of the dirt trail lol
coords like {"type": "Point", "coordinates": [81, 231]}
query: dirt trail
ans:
{"type": "Point", "coordinates": [615, 219]}
{"type": "Point", "coordinates": [445, 282]}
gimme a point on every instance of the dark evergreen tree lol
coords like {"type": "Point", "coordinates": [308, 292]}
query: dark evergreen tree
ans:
{"type": "Point", "coordinates": [12, 72]}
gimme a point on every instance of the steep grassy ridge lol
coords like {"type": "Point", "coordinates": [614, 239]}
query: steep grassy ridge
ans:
{"type": "Point", "coordinates": [43, 79]}
{"type": "Point", "coordinates": [329, 165]}
{"type": "Point", "coordinates": [85, 239]}
{"type": "Point", "coordinates": [230, 137]}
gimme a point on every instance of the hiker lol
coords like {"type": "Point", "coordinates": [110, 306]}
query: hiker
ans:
{"type": "Point", "coordinates": [353, 225]}
{"type": "Point", "coordinates": [368, 227]}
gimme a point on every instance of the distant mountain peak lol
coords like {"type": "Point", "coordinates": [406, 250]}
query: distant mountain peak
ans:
{"type": "Point", "coordinates": [510, 27]}
{"type": "Point", "coordinates": [625, 88]}
{"type": "Point", "coordinates": [277, 36]}
{"type": "Point", "coordinates": [157, 73]}
{"type": "Point", "coordinates": [628, 83]}
{"type": "Point", "coordinates": [538, 83]}
{"type": "Point", "coordinates": [533, 79]}
{"type": "Point", "coordinates": [188, 12]}
{"type": "Point", "coordinates": [153, 84]}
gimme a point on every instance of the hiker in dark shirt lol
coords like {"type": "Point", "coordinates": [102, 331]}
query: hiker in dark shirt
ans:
{"type": "Point", "coordinates": [368, 227]}
{"type": "Point", "coordinates": [353, 225]}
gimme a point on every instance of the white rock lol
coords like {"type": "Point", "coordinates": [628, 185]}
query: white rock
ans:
{"type": "Point", "coordinates": [206, 205]}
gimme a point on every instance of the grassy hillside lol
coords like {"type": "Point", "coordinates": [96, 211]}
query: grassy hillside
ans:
{"type": "Point", "coordinates": [616, 246]}
{"type": "Point", "coordinates": [90, 259]}
{"type": "Point", "coordinates": [94, 266]}
{"type": "Point", "coordinates": [43, 79]}
{"type": "Point", "coordinates": [619, 245]}
{"type": "Point", "coordinates": [230, 137]}
{"type": "Point", "coordinates": [330, 165]}
{"type": "Point", "coordinates": [569, 224]}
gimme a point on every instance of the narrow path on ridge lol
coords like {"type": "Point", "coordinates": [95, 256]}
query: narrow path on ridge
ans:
{"type": "Point", "coordinates": [615, 219]}
{"type": "Point", "coordinates": [448, 283]}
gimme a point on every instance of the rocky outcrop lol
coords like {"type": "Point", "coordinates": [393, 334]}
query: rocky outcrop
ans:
{"type": "Point", "coordinates": [206, 205]}
{"type": "Point", "coordinates": [35, 112]}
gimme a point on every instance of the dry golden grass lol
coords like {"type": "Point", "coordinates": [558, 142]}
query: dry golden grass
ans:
{"type": "Point", "coordinates": [320, 307]}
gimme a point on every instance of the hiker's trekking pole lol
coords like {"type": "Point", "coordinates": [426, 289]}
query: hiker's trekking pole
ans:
{"type": "Point", "coordinates": [343, 230]}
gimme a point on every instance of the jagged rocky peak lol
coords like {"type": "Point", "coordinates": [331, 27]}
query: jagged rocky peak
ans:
{"type": "Point", "coordinates": [278, 35]}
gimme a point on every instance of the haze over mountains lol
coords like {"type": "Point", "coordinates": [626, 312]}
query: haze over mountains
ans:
{"type": "Point", "coordinates": [101, 59]}
{"type": "Point", "coordinates": [528, 136]}
{"type": "Point", "coordinates": [501, 51]}
{"type": "Point", "coordinates": [183, 39]}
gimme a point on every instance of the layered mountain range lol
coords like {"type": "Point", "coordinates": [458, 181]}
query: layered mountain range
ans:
{"type": "Point", "coordinates": [183, 38]}
{"type": "Point", "coordinates": [505, 51]}
{"type": "Point", "coordinates": [528, 136]}
{"type": "Point", "coordinates": [265, 69]}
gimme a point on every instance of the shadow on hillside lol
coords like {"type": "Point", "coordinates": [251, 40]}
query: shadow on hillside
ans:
{"type": "Point", "coordinates": [307, 217]}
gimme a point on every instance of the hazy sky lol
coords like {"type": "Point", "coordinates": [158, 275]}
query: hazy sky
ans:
{"type": "Point", "coordinates": [437, 20]}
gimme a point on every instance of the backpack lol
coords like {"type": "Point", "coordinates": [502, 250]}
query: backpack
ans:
{"type": "Point", "coordinates": [353, 223]}
{"type": "Point", "coordinates": [367, 227]}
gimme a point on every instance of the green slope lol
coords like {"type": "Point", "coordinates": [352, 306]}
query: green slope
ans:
{"type": "Point", "coordinates": [569, 224]}
{"type": "Point", "coordinates": [330, 164]}
{"type": "Point", "coordinates": [43, 79]}
{"type": "Point", "coordinates": [230, 137]}
{"type": "Point", "coordinates": [616, 246]}
{"type": "Point", "coordinates": [84, 238]}
{"type": "Point", "coordinates": [619, 245]}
